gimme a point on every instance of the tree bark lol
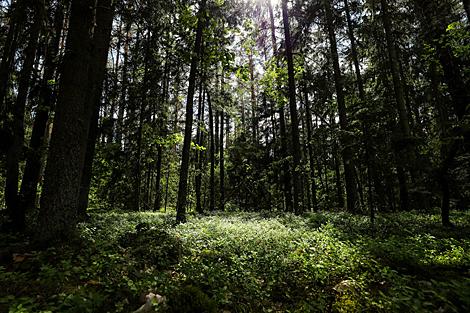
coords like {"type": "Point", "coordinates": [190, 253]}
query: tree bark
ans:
{"type": "Point", "coordinates": [96, 76]}
{"type": "Point", "coordinates": [183, 183]}
{"type": "Point", "coordinates": [58, 215]}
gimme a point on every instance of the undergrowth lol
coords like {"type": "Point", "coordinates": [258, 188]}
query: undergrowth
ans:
{"type": "Point", "coordinates": [245, 262]}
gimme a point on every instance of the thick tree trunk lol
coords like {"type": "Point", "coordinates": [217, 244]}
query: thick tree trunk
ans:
{"type": "Point", "coordinates": [58, 216]}
{"type": "Point", "coordinates": [16, 211]}
{"type": "Point", "coordinates": [298, 206]}
{"type": "Point", "coordinates": [183, 183]}
{"type": "Point", "coordinates": [96, 76]}
{"type": "Point", "coordinates": [347, 152]}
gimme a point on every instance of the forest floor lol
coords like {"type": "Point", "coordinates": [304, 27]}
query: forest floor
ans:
{"type": "Point", "coordinates": [244, 262]}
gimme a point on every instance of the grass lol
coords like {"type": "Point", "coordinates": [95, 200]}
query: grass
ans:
{"type": "Point", "coordinates": [246, 262]}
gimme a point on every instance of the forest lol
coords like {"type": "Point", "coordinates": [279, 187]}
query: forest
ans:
{"type": "Point", "coordinates": [235, 156]}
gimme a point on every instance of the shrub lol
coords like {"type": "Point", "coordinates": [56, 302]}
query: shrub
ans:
{"type": "Point", "coordinates": [191, 299]}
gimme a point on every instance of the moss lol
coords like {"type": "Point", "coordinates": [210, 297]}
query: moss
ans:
{"type": "Point", "coordinates": [190, 299]}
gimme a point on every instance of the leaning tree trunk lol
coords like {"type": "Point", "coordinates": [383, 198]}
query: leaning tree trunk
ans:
{"type": "Point", "coordinates": [58, 215]}
{"type": "Point", "coordinates": [347, 152]}
{"type": "Point", "coordinates": [96, 76]}
{"type": "Point", "coordinates": [298, 206]}
{"type": "Point", "coordinates": [183, 183]}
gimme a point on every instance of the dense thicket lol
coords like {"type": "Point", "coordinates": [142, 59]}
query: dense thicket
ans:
{"type": "Point", "coordinates": [198, 105]}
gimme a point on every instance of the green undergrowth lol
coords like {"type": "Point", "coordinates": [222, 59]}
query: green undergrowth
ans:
{"type": "Point", "coordinates": [245, 262]}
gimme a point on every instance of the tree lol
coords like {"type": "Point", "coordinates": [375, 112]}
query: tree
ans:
{"type": "Point", "coordinates": [347, 152]}
{"type": "Point", "coordinates": [58, 214]}
{"type": "Point", "coordinates": [16, 210]}
{"type": "Point", "coordinates": [183, 184]}
{"type": "Point", "coordinates": [298, 206]}
{"type": "Point", "coordinates": [96, 76]}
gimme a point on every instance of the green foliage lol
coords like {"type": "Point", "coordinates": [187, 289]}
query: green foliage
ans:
{"type": "Point", "coordinates": [246, 262]}
{"type": "Point", "coordinates": [191, 300]}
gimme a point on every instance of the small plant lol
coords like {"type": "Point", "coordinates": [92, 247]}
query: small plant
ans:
{"type": "Point", "coordinates": [190, 299]}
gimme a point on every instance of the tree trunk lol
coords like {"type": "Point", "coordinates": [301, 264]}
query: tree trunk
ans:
{"type": "Point", "coordinates": [369, 148]}
{"type": "Point", "coordinates": [298, 206]}
{"type": "Point", "coordinates": [183, 183]}
{"type": "Point", "coordinates": [162, 117]}
{"type": "Point", "coordinates": [339, 186]}
{"type": "Point", "coordinates": [199, 141]}
{"type": "Point", "coordinates": [410, 155]}
{"type": "Point", "coordinates": [212, 158]}
{"type": "Point", "coordinates": [31, 176]}
{"type": "Point", "coordinates": [58, 216]}
{"type": "Point", "coordinates": [16, 211]}
{"type": "Point", "coordinates": [9, 48]}
{"type": "Point", "coordinates": [222, 166]}
{"type": "Point", "coordinates": [347, 152]}
{"type": "Point", "coordinates": [96, 76]}
{"type": "Point", "coordinates": [308, 119]}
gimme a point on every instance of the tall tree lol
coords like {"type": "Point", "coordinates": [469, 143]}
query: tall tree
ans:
{"type": "Point", "coordinates": [435, 15]}
{"type": "Point", "coordinates": [17, 11]}
{"type": "Point", "coordinates": [183, 183]}
{"type": "Point", "coordinates": [400, 101]}
{"type": "Point", "coordinates": [58, 215]}
{"type": "Point", "coordinates": [347, 152]}
{"type": "Point", "coordinates": [298, 206]}
{"type": "Point", "coordinates": [16, 211]}
{"type": "Point", "coordinates": [96, 76]}
{"type": "Point", "coordinates": [31, 175]}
